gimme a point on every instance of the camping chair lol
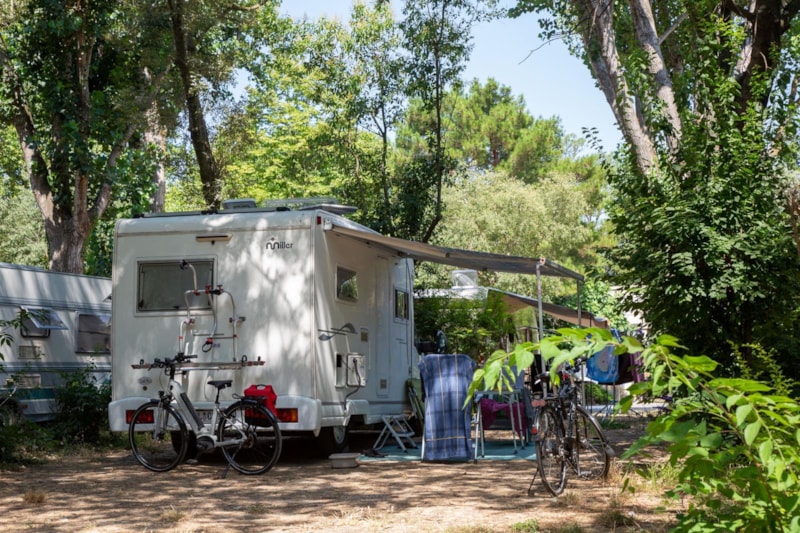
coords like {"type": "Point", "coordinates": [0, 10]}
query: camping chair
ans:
{"type": "Point", "coordinates": [414, 386]}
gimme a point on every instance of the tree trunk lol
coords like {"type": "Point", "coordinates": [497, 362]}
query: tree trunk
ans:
{"type": "Point", "coordinates": [599, 38]}
{"type": "Point", "coordinates": [198, 130]}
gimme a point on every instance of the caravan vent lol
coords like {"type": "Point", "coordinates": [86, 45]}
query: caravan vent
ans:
{"type": "Point", "coordinates": [242, 203]}
{"type": "Point", "coordinates": [464, 278]}
{"type": "Point", "coordinates": [30, 352]}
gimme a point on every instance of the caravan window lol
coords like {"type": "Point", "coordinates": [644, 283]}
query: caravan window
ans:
{"type": "Point", "coordinates": [38, 321]}
{"type": "Point", "coordinates": [163, 286]}
{"type": "Point", "coordinates": [94, 333]}
{"type": "Point", "coordinates": [401, 304]}
{"type": "Point", "coordinates": [346, 285]}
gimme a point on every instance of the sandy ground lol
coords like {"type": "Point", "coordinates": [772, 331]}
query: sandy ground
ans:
{"type": "Point", "coordinates": [113, 493]}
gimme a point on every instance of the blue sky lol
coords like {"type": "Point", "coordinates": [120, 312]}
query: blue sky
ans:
{"type": "Point", "coordinates": [552, 82]}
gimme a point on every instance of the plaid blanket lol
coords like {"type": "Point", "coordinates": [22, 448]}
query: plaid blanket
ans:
{"type": "Point", "coordinates": [446, 379]}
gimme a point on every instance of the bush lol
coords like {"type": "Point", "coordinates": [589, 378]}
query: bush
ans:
{"type": "Point", "coordinates": [82, 408]}
{"type": "Point", "coordinates": [734, 440]}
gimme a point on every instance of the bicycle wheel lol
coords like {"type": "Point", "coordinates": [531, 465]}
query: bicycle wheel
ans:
{"type": "Point", "coordinates": [549, 451]}
{"type": "Point", "coordinates": [158, 436]}
{"type": "Point", "coordinates": [257, 437]}
{"type": "Point", "coordinates": [591, 447]}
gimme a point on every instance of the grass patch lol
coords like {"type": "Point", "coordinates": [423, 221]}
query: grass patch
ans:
{"type": "Point", "coordinates": [34, 497]}
{"type": "Point", "coordinates": [528, 526]}
{"type": "Point", "coordinates": [172, 516]}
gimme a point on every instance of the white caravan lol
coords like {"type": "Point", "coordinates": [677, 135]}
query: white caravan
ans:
{"type": "Point", "coordinates": [305, 300]}
{"type": "Point", "coordinates": [67, 328]}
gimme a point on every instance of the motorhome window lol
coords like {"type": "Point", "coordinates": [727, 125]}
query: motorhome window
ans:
{"type": "Point", "coordinates": [163, 286]}
{"type": "Point", "coordinates": [400, 304]}
{"type": "Point", "coordinates": [346, 285]}
{"type": "Point", "coordinates": [94, 333]}
{"type": "Point", "coordinates": [38, 321]}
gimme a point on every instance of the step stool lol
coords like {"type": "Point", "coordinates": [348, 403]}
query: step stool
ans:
{"type": "Point", "coordinates": [396, 426]}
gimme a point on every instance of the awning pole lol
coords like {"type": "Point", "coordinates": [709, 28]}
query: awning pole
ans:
{"type": "Point", "coordinates": [541, 322]}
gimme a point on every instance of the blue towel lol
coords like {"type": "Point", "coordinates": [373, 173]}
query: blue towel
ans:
{"type": "Point", "coordinates": [446, 379]}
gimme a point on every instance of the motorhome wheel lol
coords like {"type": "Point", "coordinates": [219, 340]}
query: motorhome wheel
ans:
{"type": "Point", "coordinates": [332, 440]}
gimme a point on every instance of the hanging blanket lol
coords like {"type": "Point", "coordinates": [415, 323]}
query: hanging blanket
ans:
{"type": "Point", "coordinates": [446, 379]}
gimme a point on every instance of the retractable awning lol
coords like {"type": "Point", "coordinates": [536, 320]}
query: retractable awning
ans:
{"type": "Point", "coordinates": [480, 261]}
{"type": "Point", "coordinates": [515, 302]}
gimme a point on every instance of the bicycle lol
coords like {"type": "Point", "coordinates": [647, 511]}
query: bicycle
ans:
{"type": "Point", "coordinates": [246, 431]}
{"type": "Point", "coordinates": [567, 437]}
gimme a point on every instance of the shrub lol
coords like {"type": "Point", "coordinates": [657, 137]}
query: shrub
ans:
{"type": "Point", "coordinates": [82, 407]}
{"type": "Point", "coordinates": [734, 441]}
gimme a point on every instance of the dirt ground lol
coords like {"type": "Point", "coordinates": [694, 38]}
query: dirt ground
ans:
{"type": "Point", "coordinates": [113, 493]}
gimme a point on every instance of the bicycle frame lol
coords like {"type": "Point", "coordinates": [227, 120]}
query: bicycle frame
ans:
{"type": "Point", "coordinates": [562, 440]}
{"type": "Point", "coordinates": [177, 397]}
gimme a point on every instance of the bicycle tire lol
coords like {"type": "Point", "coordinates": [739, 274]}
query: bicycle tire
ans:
{"type": "Point", "coordinates": [263, 442]}
{"type": "Point", "coordinates": [549, 451]}
{"type": "Point", "coordinates": [591, 447]}
{"type": "Point", "coordinates": [158, 436]}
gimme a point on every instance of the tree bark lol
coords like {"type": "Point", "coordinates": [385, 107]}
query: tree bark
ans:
{"type": "Point", "coordinates": [198, 130]}
{"type": "Point", "coordinates": [599, 38]}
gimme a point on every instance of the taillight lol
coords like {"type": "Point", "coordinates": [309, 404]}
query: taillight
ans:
{"type": "Point", "coordinates": [287, 415]}
{"type": "Point", "coordinates": [145, 417]}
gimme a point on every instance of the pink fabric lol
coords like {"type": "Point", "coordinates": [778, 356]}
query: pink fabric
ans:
{"type": "Point", "coordinates": [490, 408]}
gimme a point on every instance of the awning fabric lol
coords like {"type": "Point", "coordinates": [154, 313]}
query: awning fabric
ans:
{"type": "Point", "coordinates": [480, 261]}
{"type": "Point", "coordinates": [514, 302]}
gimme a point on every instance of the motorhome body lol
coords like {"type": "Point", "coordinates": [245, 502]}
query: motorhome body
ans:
{"type": "Point", "coordinates": [67, 328]}
{"type": "Point", "coordinates": [280, 300]}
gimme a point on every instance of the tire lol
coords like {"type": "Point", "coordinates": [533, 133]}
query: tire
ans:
{"type": "Point", "coordinates": [591, 447]}
{"type": "Point", "coordinates": [332, 439]}
{"type": "Point", "coordinates": [159, 442]}
{"type": "Point", "coordinates": [262, 443]}
{"type": "Point", "coordinates": [549, 451]}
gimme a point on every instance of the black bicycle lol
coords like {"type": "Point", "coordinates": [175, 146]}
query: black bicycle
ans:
{"type": "Point", "coordinates": [567, 437]}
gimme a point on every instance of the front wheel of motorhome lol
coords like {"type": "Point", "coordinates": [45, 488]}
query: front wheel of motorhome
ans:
{"type": "Point", "coordinates": [158, 437]}
{"type": "Point", "coordinates": [254, 435]}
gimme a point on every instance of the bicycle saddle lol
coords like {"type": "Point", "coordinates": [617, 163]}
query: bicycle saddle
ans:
{"type": "Point", "coordinates": [220, 383]}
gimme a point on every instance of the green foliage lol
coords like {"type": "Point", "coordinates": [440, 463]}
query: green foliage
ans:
{"type": "Point", "coordinates": [499, 372]}
{"type": "Point", "coordinates": [82, 408]}
{"type": "Point", "coordinates": [474, 327]}
{"type": "Point", "coordinates": [24, 241]}
{"type": "Point", "coordinates": [734, 440]}
{"type": "Point", "coordinates": [23, 441]}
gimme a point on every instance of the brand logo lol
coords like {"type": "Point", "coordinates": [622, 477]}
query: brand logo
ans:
{"type": "Point", "coordinates": [278, 245]}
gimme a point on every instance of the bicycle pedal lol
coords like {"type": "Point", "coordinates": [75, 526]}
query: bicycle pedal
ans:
{"type": "Point", "coordinates": [191, 461]}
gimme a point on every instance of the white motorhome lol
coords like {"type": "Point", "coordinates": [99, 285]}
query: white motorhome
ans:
{"type": "Point", "coordinates": [302, 299]}
{"type": "Point", "coordinates": [326, 320]}
{"type": "Point", "coordinates": [66, 328]}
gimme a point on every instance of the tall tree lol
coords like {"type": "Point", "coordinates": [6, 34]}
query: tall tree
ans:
{"type": "Point", "coordinates": [704, 95]}
{"type": "Point", "coordinates": [208, 38]}
{"type": "Point", "coordinates": [437, 35]}
{"type": "Point", "coordinates": [74, 91]}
